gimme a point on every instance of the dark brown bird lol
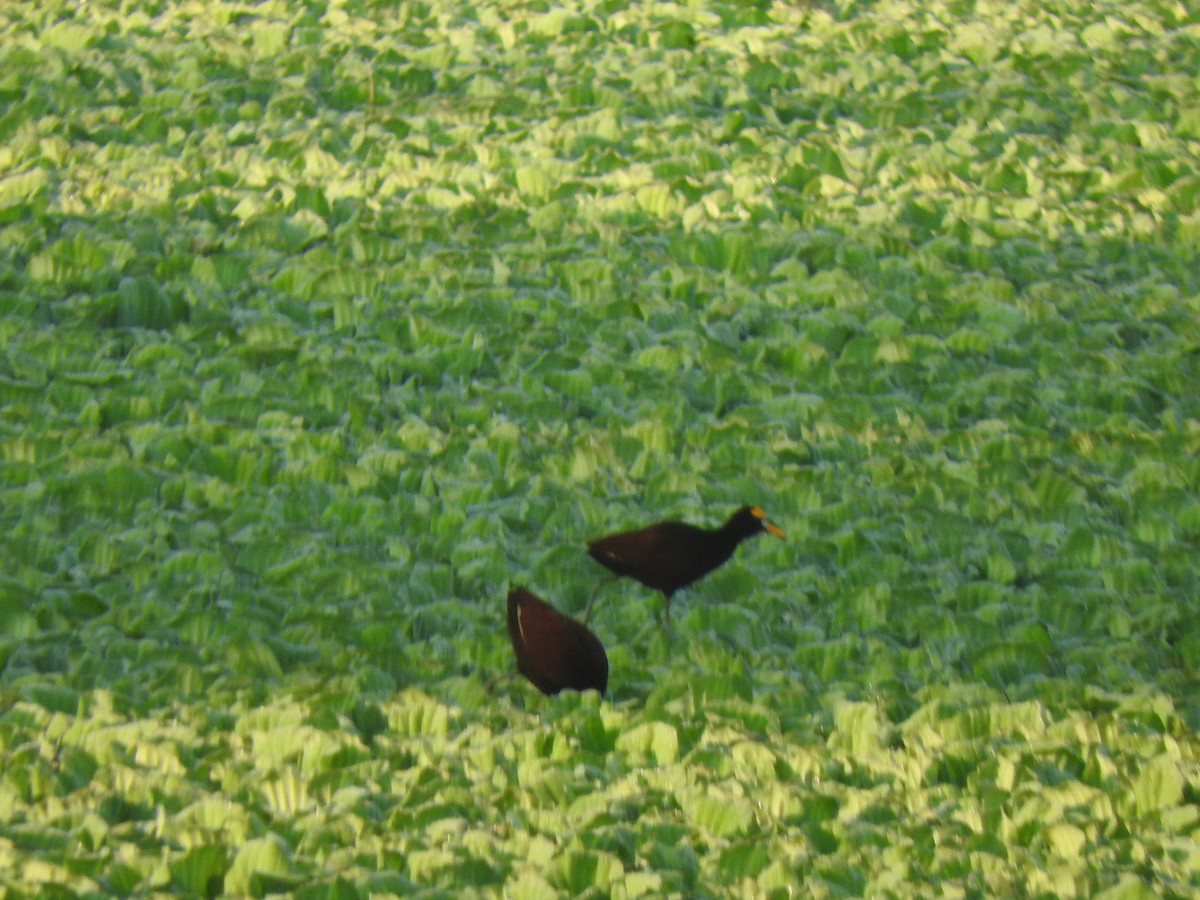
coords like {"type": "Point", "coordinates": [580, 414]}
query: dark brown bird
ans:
{"type": "Point", "coordinates": [554, 651]}
{"type": "Point", "coordinates": [669, 555]}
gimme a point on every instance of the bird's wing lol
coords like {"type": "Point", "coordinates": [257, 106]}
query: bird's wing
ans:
{"type": "Point", "coordinates": [663, 556]}
{"type": "Point", "coordinates": [629, 549]}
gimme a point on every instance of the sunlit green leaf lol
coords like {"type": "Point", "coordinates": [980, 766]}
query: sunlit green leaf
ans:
{"type": "Point", "coordinates": [1159, 785]}
{"type": "Point", "coordinates": [256, 859]}
{"type": "Point", "coordinates": [654, 741]}
{"type": "Point", "coordinates": [322, 326]}
{"type": "Point", "coordinates": [719, 816]}
{"type": "Point", "coordinates": [201, 871]}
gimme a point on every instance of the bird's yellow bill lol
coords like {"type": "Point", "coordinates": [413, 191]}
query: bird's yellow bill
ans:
{"type": "Point", "coordinates": [767, 526]}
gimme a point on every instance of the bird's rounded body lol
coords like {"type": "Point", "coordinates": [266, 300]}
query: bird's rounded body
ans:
{"type": "Point", "coordinates": [667, 556]}
{"type": "Point", "coordinates": [554, 651]}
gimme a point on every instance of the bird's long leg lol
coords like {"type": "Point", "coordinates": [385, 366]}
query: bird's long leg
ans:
{"type": "Point", "coordinates": [636, 640]}
{"type": "Point", "coordinates": [587, 610]}
{"type": "Point", "coordinates": [649, 626]}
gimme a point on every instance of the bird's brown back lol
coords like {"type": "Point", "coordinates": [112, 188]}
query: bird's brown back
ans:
{"type": "Point", "coordinates": [665, 556]}
{"type": "Point", "coordinates": [554, 651]}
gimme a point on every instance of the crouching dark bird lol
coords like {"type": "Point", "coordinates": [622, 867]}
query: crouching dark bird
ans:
{"type": "Point", "coordinates": [554, 651]}
{"type": "Point", "coordinates": [669, 555]}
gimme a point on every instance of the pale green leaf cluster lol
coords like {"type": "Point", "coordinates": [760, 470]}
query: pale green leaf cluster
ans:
{"type": "Point", "coordinates": [322, 324]}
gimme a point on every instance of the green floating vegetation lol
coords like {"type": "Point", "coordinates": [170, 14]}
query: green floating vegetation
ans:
{"type": "Point", "coordinates": [323, 326]}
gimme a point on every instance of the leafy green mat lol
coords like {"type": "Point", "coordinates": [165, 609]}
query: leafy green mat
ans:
{"type": "Point", "coordinates": [323, 324]}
